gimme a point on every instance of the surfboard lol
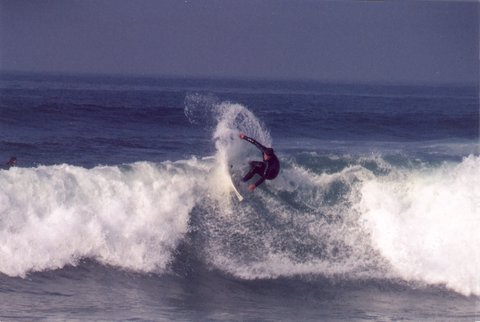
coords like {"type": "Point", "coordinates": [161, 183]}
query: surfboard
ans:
{"type": "Point", "coordinates": [234, 188]}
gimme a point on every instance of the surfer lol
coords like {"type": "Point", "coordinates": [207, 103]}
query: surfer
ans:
{"type": "Point", "coordinates": [267, 169]}
{"type": "Point", "coordinates": [11, 163]}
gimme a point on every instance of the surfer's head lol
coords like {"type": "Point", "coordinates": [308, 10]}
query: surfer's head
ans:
{"type": "Point", "coordinates": [12, 161]}
{"type": "Point", "coordinates": [268, 153]}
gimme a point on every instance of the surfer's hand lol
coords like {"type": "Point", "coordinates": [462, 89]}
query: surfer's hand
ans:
{"type": "Point", "coordinates": [242, 135]}
{"type": "Point", "coordinates": [251, 187]}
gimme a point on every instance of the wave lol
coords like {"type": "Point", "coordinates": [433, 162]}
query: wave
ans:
{"type": "Point", "coordinates": [339, 217]}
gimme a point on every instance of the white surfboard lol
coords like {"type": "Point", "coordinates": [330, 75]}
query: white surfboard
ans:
{"type": "Point", "coordinates": [234, 188]}
{"type": "Point", "coordinates": [239, 196]}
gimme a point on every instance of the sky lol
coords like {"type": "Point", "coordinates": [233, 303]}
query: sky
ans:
{"type": "Point", "coordinates": [408, 41]}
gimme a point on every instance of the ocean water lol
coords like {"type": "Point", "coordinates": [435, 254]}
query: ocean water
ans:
{"type": "Point", "coordinates": [120, 208]}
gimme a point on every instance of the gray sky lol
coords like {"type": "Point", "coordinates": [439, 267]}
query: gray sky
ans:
{"type": "Point", "coordinates": [394, 41]}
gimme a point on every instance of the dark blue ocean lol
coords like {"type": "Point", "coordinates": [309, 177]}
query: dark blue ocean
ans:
{"type": "Point", "coordinates": [120, 206]}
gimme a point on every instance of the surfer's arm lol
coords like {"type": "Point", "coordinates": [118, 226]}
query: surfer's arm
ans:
{"type": "Point", "coordinates": [253, 141]}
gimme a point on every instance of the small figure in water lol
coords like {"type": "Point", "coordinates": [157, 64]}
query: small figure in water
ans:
{"type": "Point", "coordinates": [267, 169]}
{"type": "Point", "coordinates": [11, 163]}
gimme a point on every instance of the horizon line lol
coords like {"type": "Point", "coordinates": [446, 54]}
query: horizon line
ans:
{"type": "Point", "coordinates": [242, 78]}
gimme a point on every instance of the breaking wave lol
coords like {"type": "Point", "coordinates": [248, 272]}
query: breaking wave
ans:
{"type": "Point", "coordinates": [339, 217]}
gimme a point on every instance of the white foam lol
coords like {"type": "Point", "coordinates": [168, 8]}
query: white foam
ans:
{"type": "Point", "coordinates": [132, 218]}
{"type": "Point", "coordinates": [427, 223]}
{"type": "Point", "coordinates": [275, 265]}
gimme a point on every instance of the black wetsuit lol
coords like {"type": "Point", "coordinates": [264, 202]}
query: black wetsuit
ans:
{"type": "Point", "coordinates": [9, 164]}
{"type": "Point", "coordinates": [266, 169]}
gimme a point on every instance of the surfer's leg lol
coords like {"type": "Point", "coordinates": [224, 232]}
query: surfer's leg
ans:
{"type": "Point", "coordinates": [249, 175]}
{"type": "Point", "coordinates": [255, 167]}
